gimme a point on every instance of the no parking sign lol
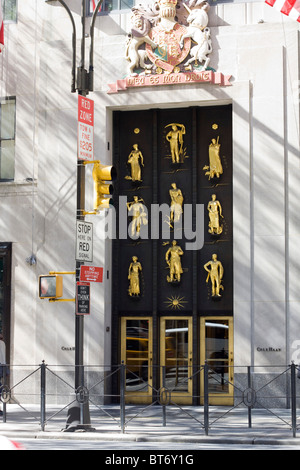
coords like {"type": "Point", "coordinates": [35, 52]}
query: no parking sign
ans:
{"type": "Point", "coordinates": [85, 128]}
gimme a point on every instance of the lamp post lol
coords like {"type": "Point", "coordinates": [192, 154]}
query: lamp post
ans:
{"type": "Point", "coordinates": [83, 84]}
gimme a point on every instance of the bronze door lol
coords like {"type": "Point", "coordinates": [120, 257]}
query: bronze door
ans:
{"type": "Point", "coordinates": [177, 359]}
{"type": "Point", "coordinates": [216, 349]}
{"type": "Point", "coordinates": [169, 258]}
{"type": "Point", "coordinates": [136, 354]}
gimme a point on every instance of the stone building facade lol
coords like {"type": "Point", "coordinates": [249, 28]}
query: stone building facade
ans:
{"type": "Point", "coordinates": [249, 91]}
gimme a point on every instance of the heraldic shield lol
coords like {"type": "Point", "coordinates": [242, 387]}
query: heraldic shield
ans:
{"type": "Point", "coordinates": [168, 53]}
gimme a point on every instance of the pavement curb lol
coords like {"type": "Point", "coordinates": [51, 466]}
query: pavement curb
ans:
{"type": "Point", "coordinates": [267, 429]}
{"type": "Point", "coordinates": [114, 437]}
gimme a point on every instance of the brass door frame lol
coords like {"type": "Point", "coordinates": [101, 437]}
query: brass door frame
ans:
{"type": "Point", "coordinates": [185, 398]}
{"type": "Point", "coordinates": [218, 398]}
{"type": "Point", "coordinates": [139, 396]}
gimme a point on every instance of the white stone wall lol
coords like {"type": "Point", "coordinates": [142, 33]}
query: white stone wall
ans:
{"type": "Point", "coordinates": [259, 48]}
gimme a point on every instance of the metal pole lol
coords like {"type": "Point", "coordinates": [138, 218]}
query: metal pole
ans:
{"type": "Point", "coordinates": [206, 404]}
{"type": "Point", "coordinates": [249, 406]}
{"type": "Point", "coordinates": [43, 395]}
{"type": "Point", "coordinates": [4, 383]}
{"type": "Point", "coordinates": [82, 90]}
{"type": "Point", "coordinates": [73, 82]}
{"type": "Point", "coordinates": [164, 385]}
{"type": "Point", "coordinates": [293, 399]}
{"type": "Point", "coordinates": [92, 29]}
{"type": "Point", "coordinates": [82, 402]}
{"type": "Point", "coordinates": [122, 395]}
{"type": "Point", "coordinates": [84, 80]}
{"type": "Point", "coordinates": [79, 319]}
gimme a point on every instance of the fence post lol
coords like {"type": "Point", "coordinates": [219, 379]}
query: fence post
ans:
{"type": "Point", "coordinates": [293, 398]}
{"type": "Point", "coordinates": [4, 384]}
{"type": "Point", "coordinates": [122, 395]}
{"type": "Point", "coordinates": [249, 406]}
{"type": "Point", "coordinates": [164, 385]}
{"type": "Point", "coordinates": [43, 395]}
{"type": "Point", "coordinates": [206, 405]}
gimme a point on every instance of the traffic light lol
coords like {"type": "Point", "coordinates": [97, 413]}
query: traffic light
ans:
{"type": "Point", "coordinates": [50, 286]}
{"type": "Point", "coordinates": [102, 188]}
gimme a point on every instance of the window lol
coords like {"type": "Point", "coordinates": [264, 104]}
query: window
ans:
{"type": "Point", "coordinates": [7, 138]}
{"type": "Point", "coordinates": [110, 5]}
{"type": "Point", "coordinates": [9, 9]}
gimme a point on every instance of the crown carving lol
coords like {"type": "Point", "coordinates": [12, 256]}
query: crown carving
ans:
{"type": "Point", "coordinates": [168, 3]}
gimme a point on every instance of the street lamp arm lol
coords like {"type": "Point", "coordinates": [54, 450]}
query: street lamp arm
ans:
{"type": "Point", "coordinates": [92, 29]}
{"type": "Point", "coordinates": [73, 82]}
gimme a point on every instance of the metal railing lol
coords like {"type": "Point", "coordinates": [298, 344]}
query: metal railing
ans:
{"type": "Point", "coordinates": [251, 389]}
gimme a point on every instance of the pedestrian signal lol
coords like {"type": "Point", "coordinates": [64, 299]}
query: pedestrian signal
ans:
{"type": "Point", "coordinates": [50, 286]}
{"type": "Point", "coordinates": [103, 189]}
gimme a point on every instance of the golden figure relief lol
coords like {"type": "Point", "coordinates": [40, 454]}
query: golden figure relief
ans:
{"type": "Point", "coordinates": [215, 271]}
{"type": "Point", "coordinates": [174, 262]}
{"type": "Point", "coordinates": [176, 203]}
{"type": "Point", "coordinates": [215, 166]}
{"type": "Point", "coordinates": [175, 302]}
{"type": "Point", "coordinates": [134, 277]}
{"type": "Point", "coordinates": [175, 138]}
{"type": "Point", "coordinates": [215, 212]}
{"type": "Point", "coordinates": [135, 159]}
{"type": "Point", "coordinates": [138, 212]}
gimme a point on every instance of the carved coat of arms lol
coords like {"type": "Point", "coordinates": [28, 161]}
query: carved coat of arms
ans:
{"type": "Point", "coordinates": [170, 36]}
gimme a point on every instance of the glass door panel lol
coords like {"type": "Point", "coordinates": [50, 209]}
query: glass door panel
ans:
{"type": "Point", "coordinates": [136, 352]}
{"type": "Point", "coordinates": [176, 358]}
{"type": "Point", "coordinates": [216, 349]}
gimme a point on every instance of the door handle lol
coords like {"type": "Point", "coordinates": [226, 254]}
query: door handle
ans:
{"type": "Point", "coordinates": [150, 366]}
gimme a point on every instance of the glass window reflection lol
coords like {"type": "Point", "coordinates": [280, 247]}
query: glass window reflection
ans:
{"type": "Point", "coordinates": [216, 354]}
{"type": "Point", "coordinates": [137, 355]}
{"type": "Point", "coordinates": [176, 351]}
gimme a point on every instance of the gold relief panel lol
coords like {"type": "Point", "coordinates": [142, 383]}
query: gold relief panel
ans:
{"type": "Point", "coordinates": [136, 161]}
{"type": "Point", "coordinates": [137, 210]}
{"type": "Point", "coordinates": [214, 168]}
{"type": "Point", "coordinates": [176, 141]}
{"type": "Point", "coordinates": [160, 156]}
{"type": "Point", "coordinates": [173, 259]}
{"type": "Point", "coordinates": [215, 271]}
{"type": "Point", "coordinates": [176, 202]}
{"type": "Point", "coordinates": [134, 270]}
{"type": "Point", "coordinates": [215, 213]}
{"type": "Point", "coordinates": [175, 302]}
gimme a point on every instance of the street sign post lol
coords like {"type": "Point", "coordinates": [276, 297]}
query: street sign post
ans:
{"type": "Point", "coordinates": [85, 128]}
{"type": "Point", "coordinates": [83, 298]}
{"type": "Point", "coordinates": [84, 241]}
{"type": "Point", "coordinates": [91, 274]}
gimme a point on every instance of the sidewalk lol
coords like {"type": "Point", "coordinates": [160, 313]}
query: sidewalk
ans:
{"type": "Point", "coordinates": [185, 424]}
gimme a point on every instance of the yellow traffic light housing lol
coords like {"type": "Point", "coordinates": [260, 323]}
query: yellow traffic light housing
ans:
{"type": "Point", "coordinates": [102, 174]}
{"type": "Point", "coordinates": [50, 286]}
